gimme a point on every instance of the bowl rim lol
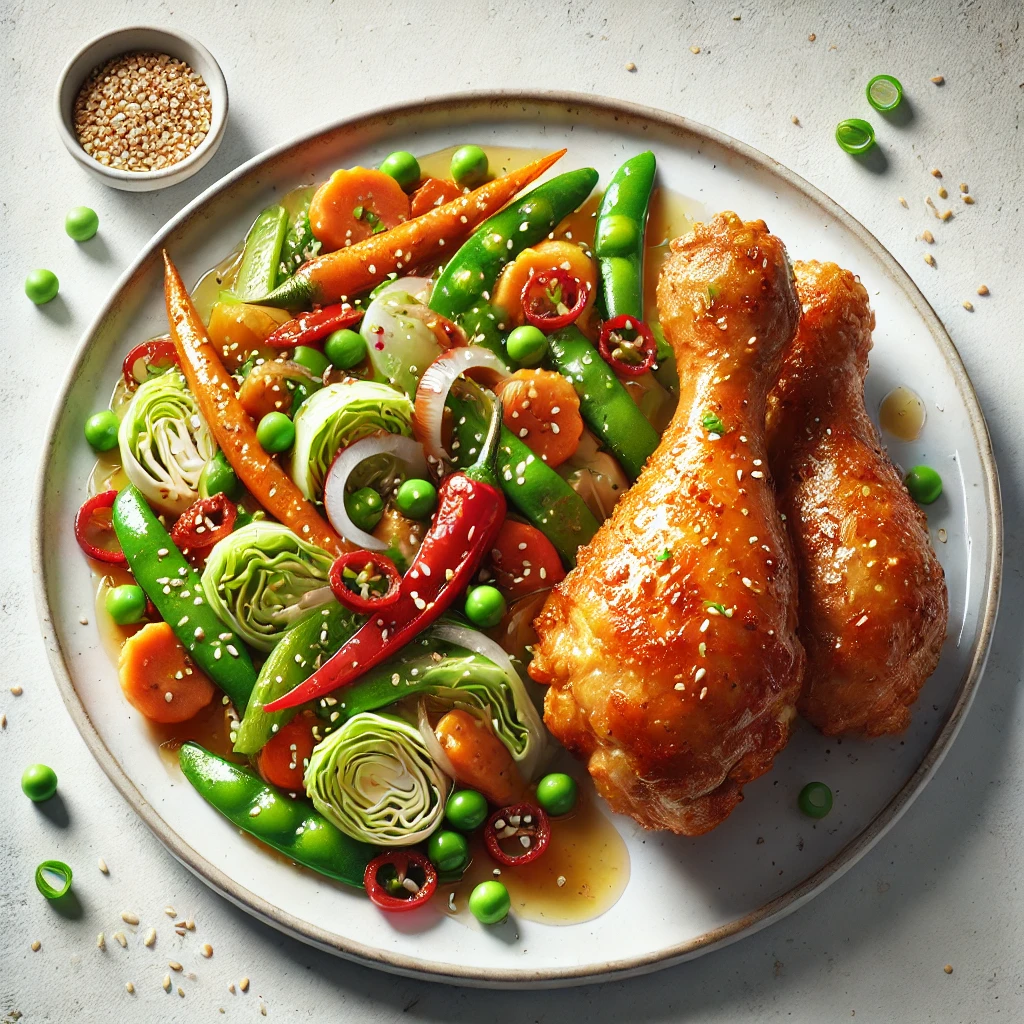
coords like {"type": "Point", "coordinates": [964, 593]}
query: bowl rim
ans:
{"type": "Point", "coordinates": [482, 102]}
{"type": "Point", "coordinates": [214, 80]}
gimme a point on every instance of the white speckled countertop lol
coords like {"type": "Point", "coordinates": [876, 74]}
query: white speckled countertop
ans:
{"type": "Point", "coordinates": [943, 887]}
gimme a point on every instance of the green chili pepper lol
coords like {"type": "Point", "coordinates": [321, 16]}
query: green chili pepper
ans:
{"type": "Point", "coordinates": [619, 236]}
{"type": "Point", "coordinates": [257, 273]}
{"type": "Point", "coordinates": [290, 826]}
{"type": "Point", "coordinates": [470, 275]}
{"type": "Point", "coordinates": [533, 487]}
{"type": "Point", "coordinates": [604, 403]}
{"type": "Point", "coordinates": [175, 588]}
{"type": "Point", "coordinates": [295, 657]}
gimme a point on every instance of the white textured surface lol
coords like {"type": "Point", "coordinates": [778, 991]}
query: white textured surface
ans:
{"type": "Point", "coordinates": [943, 887]}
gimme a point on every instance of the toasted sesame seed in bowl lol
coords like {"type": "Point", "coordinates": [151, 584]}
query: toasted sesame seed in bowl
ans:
{"type": "Point", "coordinates": [142, 108]}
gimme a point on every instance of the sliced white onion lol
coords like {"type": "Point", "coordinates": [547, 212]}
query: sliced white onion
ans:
{"type": "Point", "coordinates": [433, 744]}
{"type": "Point", "coordinates": [418, 287]}
{"type": "Point", "coordinates": [405, 449]}
{"type": "Point", "coordinates": [480, 643]}
{"type": "Point", "coordinates": [433, 390]}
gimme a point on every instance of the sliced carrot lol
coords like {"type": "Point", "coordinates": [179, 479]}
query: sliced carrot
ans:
{"type": "Point", "coordinates": [480, 760]}
{"type": "Point", "coordinates": [524, 560]}
{"type": "Point", "coordinates": [282, 761]}
{"type": "Point", "coordinates": [354, 204]}
{"type": "Point", "coordinates": [237, 330]}
{"type": "Point", "coordinates": [159, 679]}
{"type": "Point", "coordinates": [551, 254]}
{"type": "Point", "coordinates": [433, 192]}
{"type": "Point", "coordinates": [543, 410]}
{"type": "Point", "coordinates": [265, 387]}
{"type": "Point", "coordinates": [231, 426]}
{"type": "Point", "coordinates": [354, 269]}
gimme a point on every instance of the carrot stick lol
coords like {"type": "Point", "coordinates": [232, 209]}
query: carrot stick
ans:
{"type": "Point", "coordinates": [231, 425]}
{"type": "Point", "coordinates": [357, 268]}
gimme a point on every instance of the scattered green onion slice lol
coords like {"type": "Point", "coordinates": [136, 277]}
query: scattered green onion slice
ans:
{"type": "Point", "coordinates": [56, 867]}
{"type": "Point", "coordinates": [854, 135]}
{"type": "Point", "coordinates": [884, 93]}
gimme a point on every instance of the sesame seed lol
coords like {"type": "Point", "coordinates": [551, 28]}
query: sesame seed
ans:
{"type": "Point", "coordinates": [969, 306]}
{"type": "Point", "coordinates": [101, 941]}
{"type": "Point", "coordinates": [936, 173]}
{"type": "Point", "coordinates": [169, 911]}
{"type": "Point", "coordinates": [938, 80]}
{"type": "Point", "coordinates": [102, 865]}
{"type": "Point", "coordinates": [122, 941]}
{"type": "Point", "coordinates": [983, 289]}
{"type": "Point", "coordinates": [630, 66]}
{"type": "Point", "coordinates": [969, 200]}
{"type": "Point", "coordinates": [928, 237]}
{"type": "Point", "coordinates": [167, 983]}
{"type": "Point", "coordinates": [128, 917]}
{"type": "Point", "coordinates": [174, 965]}
{"type": "Point", "coordinates": [16, 691]}
{"type": "Point", "coordinates": [129, 988]}
{"type": "Point", "coordinates": [206, 950]}
{"type": "Point", "coordinates": [929, 259]}
{"type": "Point", "coordinates": [36, 945]}
{"type": "Point", "coordinates": [244, 984]}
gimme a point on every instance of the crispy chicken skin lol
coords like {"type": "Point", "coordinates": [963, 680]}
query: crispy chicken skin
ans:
{"type": "Point", "coordinates": [873, 604]}
{"type": "Point", "coordinates": [675, 705]}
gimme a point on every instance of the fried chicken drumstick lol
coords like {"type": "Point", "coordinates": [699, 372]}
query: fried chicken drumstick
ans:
{"type": "Point", "coordinates": [671, 649]}
{"type": "Point", "coordinates": [873, 603]}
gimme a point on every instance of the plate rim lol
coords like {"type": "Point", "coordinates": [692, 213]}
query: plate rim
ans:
{"type": "Point", "coordinates": [769, 912]}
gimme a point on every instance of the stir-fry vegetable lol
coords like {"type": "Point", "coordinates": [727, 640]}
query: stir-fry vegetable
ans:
{"type": "Point", "coordinates": [126, 604]}
{"type": "Point", "coordinates": [627, 345]}
{"type": "Point", "coordinates": [85, 524]}
{"type": "Point", "coordinates": [38, 782]}
{"type": "Point", "coordinates": [53, 867]}
{"type": "Point", "coordinates": [257, 273]}
{"type": "Point", "coordinates": [282, 761]}
{"type": "Point", "coordinates": [373, 777]}
{"type": "Point", "coordinates": [232, 428]}
{"type": "Point", "coordinates": [523, 828]}
{"type": "Point", "coordinates": [553, 254]}
{"type": "Point", "coordinates": [174, 588]}
{"type": "Point", "coordinates": [524, 560]}
{"type": "Point", "coordinates": [287, 825]}
{"type": "Point", "coordinates": [262, 578]}
{"type": "Point", "coordinates": [489, 902]}
{"type": "Point", "coordinates": [542, 409]}
{"type": "Point", "coordinates": [101, 430]}
{"type": "Point", "coordinates": [478, 758]}
{"type": "Point", "coordinates": [553, 299]}
{"type": "Point", "coordinates": [204, 523]}
{"type": "Point", "coordinates": [466, 810]}
{"type": "Point", "coordinates": [365, 581]}
{"type": "Point", "coordinates": [308, 328]}
{"type": "Point", "coordinates": [360, 266]}
{"type": "Point", "coordinates": [557, 793]}
{"type": "Point", "coordinates": [400, 880]}
{"type": "Point", "coordinates": [355, 204]}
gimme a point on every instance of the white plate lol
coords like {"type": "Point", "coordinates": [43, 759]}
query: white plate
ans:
{"type": "Point", "coordinates": [686, 896]}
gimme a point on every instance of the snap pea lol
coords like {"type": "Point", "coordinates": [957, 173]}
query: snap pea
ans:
{"type": "Point", "coordinates": [483, 328]}
{"type": "Point", "coordinates": [295, 657]}
{"type": "Point", "coordinates": [533, 487]}
{"type": "Point", "coordinates": [257, 273]}
{"type": "Point", "coordinates": [290, 826]}
{"type": "Point", "coordinates": [619, 236]}
{"type": "Point", "coordinates": [604, 403]}
{"type": "Point", "coordinates": [175, 589]}
{"type": "Point", "coordinates": [470, 274]}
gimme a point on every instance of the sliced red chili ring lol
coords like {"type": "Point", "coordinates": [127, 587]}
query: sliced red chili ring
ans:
{"type": "Point", "coordinates": [315, 326]}
{"type": "Point", "coordinates": [553, 299]}
{"type": "Point", "coordinates": [203, 523]}
{"type": "Point", "coordinates": [525, 824]}
{"type": "Point", "coordinates": [365, 569]}
{"type": "Point", "coordinates": [398, 890]}
{"type": "Point", "coordinates": [83, 519]}
{"type": "Point", "coordinates": [159, 350]}
{"type": "Point", "coordinates": [628, 357]}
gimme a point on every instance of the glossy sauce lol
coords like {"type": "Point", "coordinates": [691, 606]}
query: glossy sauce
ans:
{"type": "Point", "coordinates": [902, 414]}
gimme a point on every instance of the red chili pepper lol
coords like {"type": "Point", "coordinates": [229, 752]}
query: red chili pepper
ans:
{"type": "Point", "coordinates": [548, 291]}
{"type": "Point", "coordinates": [82, 521]}
{"type": "Point", "coordinates": [155, 351]}
{"type": "Point", "coordinates": [470, 511]}
{"type": "Point", "coordinates": [619, 352]}
{"type": "Point", "coordinates": [203, 523]}
{"type": "Point", "coordinates": [358, 562]}
{"type": "Point", "coordinates": [385, 894]}
{"type": "Point", "coordinates": [310, 327]}
{"type": "Point", "coordinates": [514, 824]}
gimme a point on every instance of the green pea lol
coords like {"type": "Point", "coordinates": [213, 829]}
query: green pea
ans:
{"type": "Point", "coordinates": [276, 433]}
{"type": "Point", "coordinates": [126, 604]}
{"type": "Point", "coordinates": [485, 607]}
{"type": "Point", "coordinates": [448, 851]}
{"type": "Point", "coordinates": [364, 508]}
{"type": "Point", "coordinates": [41, 286]}
{"type": "Point", "coordinates": [489, 902]}
{"type": "Point", "coordinates": [404, 168]}
{"type": "Point", "coordinates": [81, 223]}
{"type": "Point", "coordinates": [416, 499]}
{"type": "Point", "coordinates": [469, 166]}
{"type": "Point", "coordinates": [218, 477]}
{"type": "Point", "coordinates": [616, 235]}
{"type": "Point", "coordinates": [466, 810]}
{"type": "Point", "coordinates": [924, 484]}
{"type": "Point", "coordinates": [815, 800]}
{"type": "Point", "coordinates": [557, 793]}
{"type": "Point", "coordinates": [345, 348]}
{"type": "Point", "coordinates": [101, 430]}
{"type": "Point", "coordinates": [527, 345]}
{"type": "Point", "coordinates": [312, 359]}
{"type": "Point", "coordinates": [38, 782]}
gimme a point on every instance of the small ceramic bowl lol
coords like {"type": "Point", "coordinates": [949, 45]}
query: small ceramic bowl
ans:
{"type": "Point", "coordinates": [127, 40]}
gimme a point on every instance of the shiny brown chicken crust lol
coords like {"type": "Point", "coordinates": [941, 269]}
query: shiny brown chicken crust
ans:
{"type": "Point", "coordinates": [873, 603]}
{"type": "Point", "coordinates": [674, 705]}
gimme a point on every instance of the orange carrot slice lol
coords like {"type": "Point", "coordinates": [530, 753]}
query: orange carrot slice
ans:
{"type": "Point", "coordinates": [354, 204]}
{"type": "Point", "coordinates": [433, 192]}
{"type": "Point", "coordinates": [543, 410]}
{"type": "Point", "coordinates": [551, 254]}
{"type": "Point", "coordinates": [524, 560]}
{"type": "Point", "coordinates": [282, 761]}
{"type": "Point", "coordinates": [159, 679]}
{"type": "Point", "coordinates": [480, 760]}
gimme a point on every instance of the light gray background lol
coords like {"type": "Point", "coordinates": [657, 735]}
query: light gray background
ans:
{"type": "Point", "coordinates": [943, 887]}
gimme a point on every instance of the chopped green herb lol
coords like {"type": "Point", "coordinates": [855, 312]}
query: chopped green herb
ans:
{"type": "Point", "coordinates": [718, 608]}
{"type": "Point", "coordinates": [379, 227]}
{"type": "Point", "coordinates": [712, 422]}
{"type": "Point", "coordinates": [664, 556]}
{"type": "Point", "coordinates": [357, 212]}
